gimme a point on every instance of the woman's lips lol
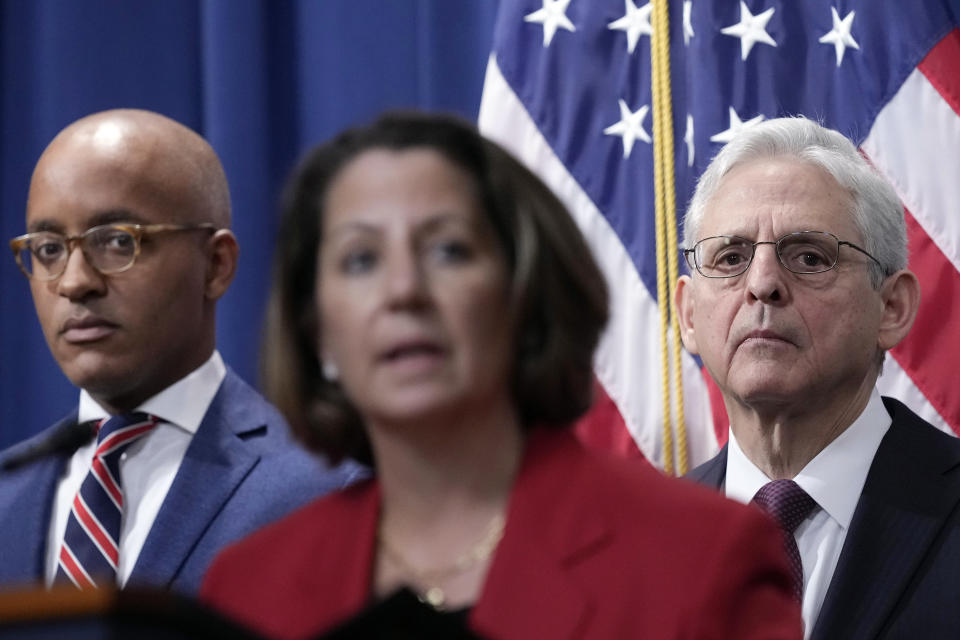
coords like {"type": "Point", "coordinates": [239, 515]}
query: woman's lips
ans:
{"type": "Point", "coordinates": [412, 356]}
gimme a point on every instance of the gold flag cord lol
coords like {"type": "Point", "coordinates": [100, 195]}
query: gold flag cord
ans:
{"type": "Point", "coordinates": [666, 232]}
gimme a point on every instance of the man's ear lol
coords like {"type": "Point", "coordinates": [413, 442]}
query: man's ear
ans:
{"type": "Point", "coordinates": [683, 305]}
{"type": "Point", "coordinates": [222, 262]}
{"type": "Point", "coordinates": [900, 297]}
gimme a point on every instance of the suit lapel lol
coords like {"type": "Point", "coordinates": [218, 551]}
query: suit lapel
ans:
{"type": "Point", "coordinates": [215, 464]}
{"type": "Point", "coordinates": [713, 472]}
{"type": "Point", "coordinates": [27, 499]}
{"type": "Point", "coordinates": [528, 595]}
{"type": "Point", "coordinates": [340, 569]}
{"type": "Point", "coordinates": [23, 548]}
{"type": "Point", "coordinates": [529, 591]}
{"type": "Point", "coordinates": [911, 488]}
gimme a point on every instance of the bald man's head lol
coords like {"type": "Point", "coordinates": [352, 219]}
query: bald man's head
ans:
{"type": "Point", "coordinates": [165, 156]}
{"type": "Point", "coordinates": [117, 180]}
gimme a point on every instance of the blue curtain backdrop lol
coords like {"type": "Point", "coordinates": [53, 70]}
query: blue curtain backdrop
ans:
{"type": "Point", "coordinates": [262, 80]}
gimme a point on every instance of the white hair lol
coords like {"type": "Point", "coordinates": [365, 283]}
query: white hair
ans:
{"type": "Point", "coordinates": [877, 211]}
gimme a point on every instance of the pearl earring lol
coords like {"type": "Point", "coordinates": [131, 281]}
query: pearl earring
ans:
{"type": "Point", "coordinates": [330, 371]}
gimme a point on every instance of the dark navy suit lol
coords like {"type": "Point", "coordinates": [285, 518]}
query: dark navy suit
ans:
{"type": "Point", "coordinates": [241, 471]}
{"type": "Point", "coordinates": [898, 575]}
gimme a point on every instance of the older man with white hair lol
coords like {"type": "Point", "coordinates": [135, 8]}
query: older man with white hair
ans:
{"type": "Point", "coordinates": [798, 287]}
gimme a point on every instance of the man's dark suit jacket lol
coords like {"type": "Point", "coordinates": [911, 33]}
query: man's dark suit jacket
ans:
{"type": "Point", "coordinates": [240, 472]}
{"type": "Point", "coordinates": [898, 575]}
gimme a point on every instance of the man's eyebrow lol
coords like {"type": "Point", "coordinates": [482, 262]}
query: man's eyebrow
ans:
{"type": "Point", "coordinates": [44, 225]}
{"type": "Point", "coordinates": [111, 216]}
{"type": "Point", "coordinates": [114, 216]}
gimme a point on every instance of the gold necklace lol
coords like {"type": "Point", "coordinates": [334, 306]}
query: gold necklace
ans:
{"type": "Point", "coordinates": [433, 594]}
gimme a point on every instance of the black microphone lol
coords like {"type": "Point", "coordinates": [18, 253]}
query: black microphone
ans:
{"type": "Point", "coordinates": [66, 440]}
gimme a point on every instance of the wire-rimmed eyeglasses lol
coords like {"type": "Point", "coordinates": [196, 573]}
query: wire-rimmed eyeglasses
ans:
{"type": "Point", "coordinates": [109, 248]}
{"type": "Point", "coordinates": [803, 252]}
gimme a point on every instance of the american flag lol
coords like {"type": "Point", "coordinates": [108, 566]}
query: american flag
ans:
{"type": "Point", "coordinates": [568, 91]}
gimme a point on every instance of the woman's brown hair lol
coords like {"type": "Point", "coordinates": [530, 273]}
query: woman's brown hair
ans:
{"type": "Point", "coordinates": [559, 295]}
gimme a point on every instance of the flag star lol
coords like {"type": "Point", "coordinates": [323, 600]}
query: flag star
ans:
{"type": "Point", "coordinates": [635, 22]}
{"type": "Point", "coordinates": [840, 36]}
{"type": "Point", "coordinates": [688, 139]}
{"type": "Point", "coordinates": [630, 127]}
{"type": "Point", "coordinates": [687, 22]}
{"type": "Point", "coordinates": [736, 125]}
{"type": "Point", "coordinates": [552, 15]}
{"type": "Point", "coordinates": [751, 29]}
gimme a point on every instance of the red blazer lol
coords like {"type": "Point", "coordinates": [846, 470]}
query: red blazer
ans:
{"type": "Point", "coordinates": [594, 547]}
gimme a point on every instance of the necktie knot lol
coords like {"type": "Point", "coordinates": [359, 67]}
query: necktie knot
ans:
{"type": "Point", "coordinates": [117, 432]}
{"type": "Point", "coordinates": [786, 501]}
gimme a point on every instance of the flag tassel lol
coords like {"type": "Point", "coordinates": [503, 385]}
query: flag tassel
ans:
{"type": "Point", "coordinates": [675, 454]}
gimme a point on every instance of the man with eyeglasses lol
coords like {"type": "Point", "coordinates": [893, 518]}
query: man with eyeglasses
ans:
{"type": "Point", "coordinates": [169, 454]}
{"type": "Point", "coordinates": [797, 288]}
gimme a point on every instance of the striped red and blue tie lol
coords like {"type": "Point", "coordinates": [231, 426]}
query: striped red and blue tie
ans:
{"type": "Point", "coordinates": [91, 550]}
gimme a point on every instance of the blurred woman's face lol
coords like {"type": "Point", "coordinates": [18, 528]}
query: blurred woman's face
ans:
{"type": "Point", "coordinates": [412, 288]}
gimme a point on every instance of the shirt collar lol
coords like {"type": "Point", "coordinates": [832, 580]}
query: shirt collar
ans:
{"type": "Point", "coordinates": [184, 403]}
{"type": "Point", "coordinates": [834, 478]}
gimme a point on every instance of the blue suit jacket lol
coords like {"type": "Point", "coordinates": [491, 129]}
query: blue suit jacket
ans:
{"type": "Point", "coordinates": [241, 471]}
{"type": "Point", "coordinates": [898, 575]}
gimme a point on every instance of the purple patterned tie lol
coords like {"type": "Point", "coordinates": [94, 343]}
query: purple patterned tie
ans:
{"type": "Point", "coordinates": [91, 549]}
{"type": "Point", "coordinates": [789, 505]}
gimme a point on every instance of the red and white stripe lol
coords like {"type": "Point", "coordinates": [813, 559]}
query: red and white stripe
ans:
{"type": "Point", "coordinates": [77, 574]}
{"type": "Point", "coordinates": [96, 531]}
{"type": "Point", "coordinates": [110, 485]}
{"type": "Point", "coordinates": [119, 438]}
{"type": "Point", "coordinates": [915, 143]}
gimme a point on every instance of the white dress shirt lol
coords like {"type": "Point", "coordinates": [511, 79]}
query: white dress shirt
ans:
{"type": "Point", "coordinates": [834, 479]}
{"type": "Point", "coordinates": [147, 467]}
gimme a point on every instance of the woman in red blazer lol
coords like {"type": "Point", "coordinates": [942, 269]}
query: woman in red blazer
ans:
{"type": "Point", "coordinates": [434, 314]}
